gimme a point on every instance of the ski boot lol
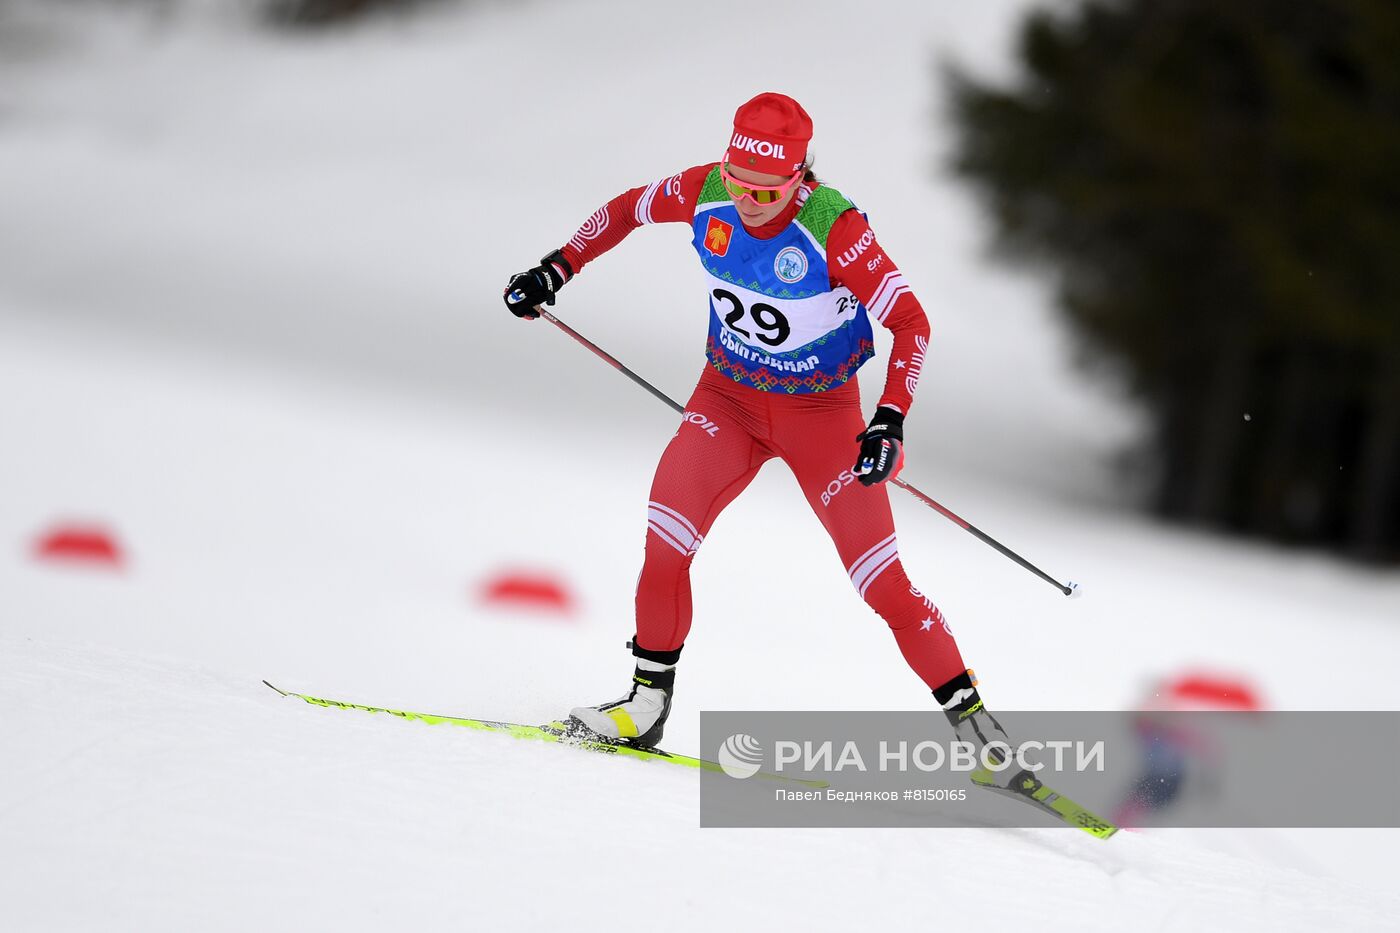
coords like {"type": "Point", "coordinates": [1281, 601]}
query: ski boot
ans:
{"type": "Point", "coordinates": [971, 722]}
{"type": "Point", "coordinates": [640, 717]}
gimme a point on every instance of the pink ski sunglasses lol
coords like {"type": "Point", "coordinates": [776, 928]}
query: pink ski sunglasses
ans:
{"type": "Point", "coordinates": [758, 194]}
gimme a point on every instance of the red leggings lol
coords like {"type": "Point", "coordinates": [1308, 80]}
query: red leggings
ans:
{"type": "Point", "coordinates": [728, 432]}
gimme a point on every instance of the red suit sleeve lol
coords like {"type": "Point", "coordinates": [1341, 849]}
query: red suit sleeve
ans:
{"type": "Point", "coordinates": [857, 261]}
{"type": "Point", "coordinates": [668, 200]}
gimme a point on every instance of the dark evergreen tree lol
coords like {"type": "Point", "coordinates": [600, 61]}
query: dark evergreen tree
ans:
{"type": "Point", "coordinates": [1216, 189]}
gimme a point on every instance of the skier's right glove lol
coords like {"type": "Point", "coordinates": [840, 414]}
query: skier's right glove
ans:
{"type": "Point", "coordinates": [538, 285]}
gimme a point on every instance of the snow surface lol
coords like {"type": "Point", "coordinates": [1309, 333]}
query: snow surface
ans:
{"type": "Point", "coordinates": [248, 318]}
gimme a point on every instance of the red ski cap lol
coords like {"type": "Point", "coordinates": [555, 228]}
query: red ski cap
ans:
{"type": "Point", "coordinates": [771, 133]}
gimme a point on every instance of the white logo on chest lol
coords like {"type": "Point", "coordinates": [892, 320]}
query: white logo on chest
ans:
{"type": "Point", "coordinates": [790, 265]}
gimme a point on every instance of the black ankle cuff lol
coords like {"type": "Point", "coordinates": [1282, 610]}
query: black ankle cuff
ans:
{"type": "Point", "coordinates": [949, 690]}
{"type": "Point", "coordinates": [968, 704]}
{"type": "Point", "coordinates": [660, 657]}
{"type": "Point", "coordinates": [659, 680]}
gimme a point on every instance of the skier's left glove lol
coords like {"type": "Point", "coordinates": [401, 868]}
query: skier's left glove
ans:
{"type": "Point", "coordinates": [537, 286]}
{"type": "Point", "coordinates": [881, 447]}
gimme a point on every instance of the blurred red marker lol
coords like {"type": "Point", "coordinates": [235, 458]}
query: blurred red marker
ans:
{"type": "Point", "coordinates": [88, 545]}
{"type": "Point", "coordinates": [1210, 691]}
{"type": "Point", "coordinates": [529, 590]}
{"type": "Point", "coordinates": [1200, 690]}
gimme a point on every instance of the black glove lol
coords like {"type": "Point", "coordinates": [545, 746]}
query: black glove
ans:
{"type": "Point", "coordinates": [527, 289]}
{"type": "Point", "coordinates": [881, 447]}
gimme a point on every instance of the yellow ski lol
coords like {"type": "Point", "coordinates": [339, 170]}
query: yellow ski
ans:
{"type": "Point", "coordinates": [556, 732]}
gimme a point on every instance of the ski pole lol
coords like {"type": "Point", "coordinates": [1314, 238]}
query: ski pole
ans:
{"type": "Point", "coordinates": [1070, 589]}
{"type": "Point", "coordinates": [610, 359]}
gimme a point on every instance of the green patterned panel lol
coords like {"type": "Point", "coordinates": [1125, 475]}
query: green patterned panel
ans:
{"type": "Point", "coordinates": [713, 189]}
{"type": "Point", "coordinates": [821, 211]}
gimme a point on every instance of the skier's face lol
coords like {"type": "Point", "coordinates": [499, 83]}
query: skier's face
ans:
{"type": "Point", "coordinates": [751, 213]}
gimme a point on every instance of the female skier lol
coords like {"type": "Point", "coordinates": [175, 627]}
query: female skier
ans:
{"type": "Point", "coordinates": [794, 276]}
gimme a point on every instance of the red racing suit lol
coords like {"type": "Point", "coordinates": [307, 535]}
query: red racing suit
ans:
{"type": "Point", "coordinates": [731, 428]}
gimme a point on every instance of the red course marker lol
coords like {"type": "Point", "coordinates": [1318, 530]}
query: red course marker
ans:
{"type": "Point", "coordinates": [529, 590]}
{"type": "Point", "coordinates": [88, 545]}
{"type": "Point", "coordinates": [1207, 691]}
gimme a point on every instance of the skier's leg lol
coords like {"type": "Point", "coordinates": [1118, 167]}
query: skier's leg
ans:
{"type": "Point", "coordinates": [860, 523]}
{"type": "Point", "coordinates": [820, 449]}
{"type": "Point", "coordinates": [710, 460]}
